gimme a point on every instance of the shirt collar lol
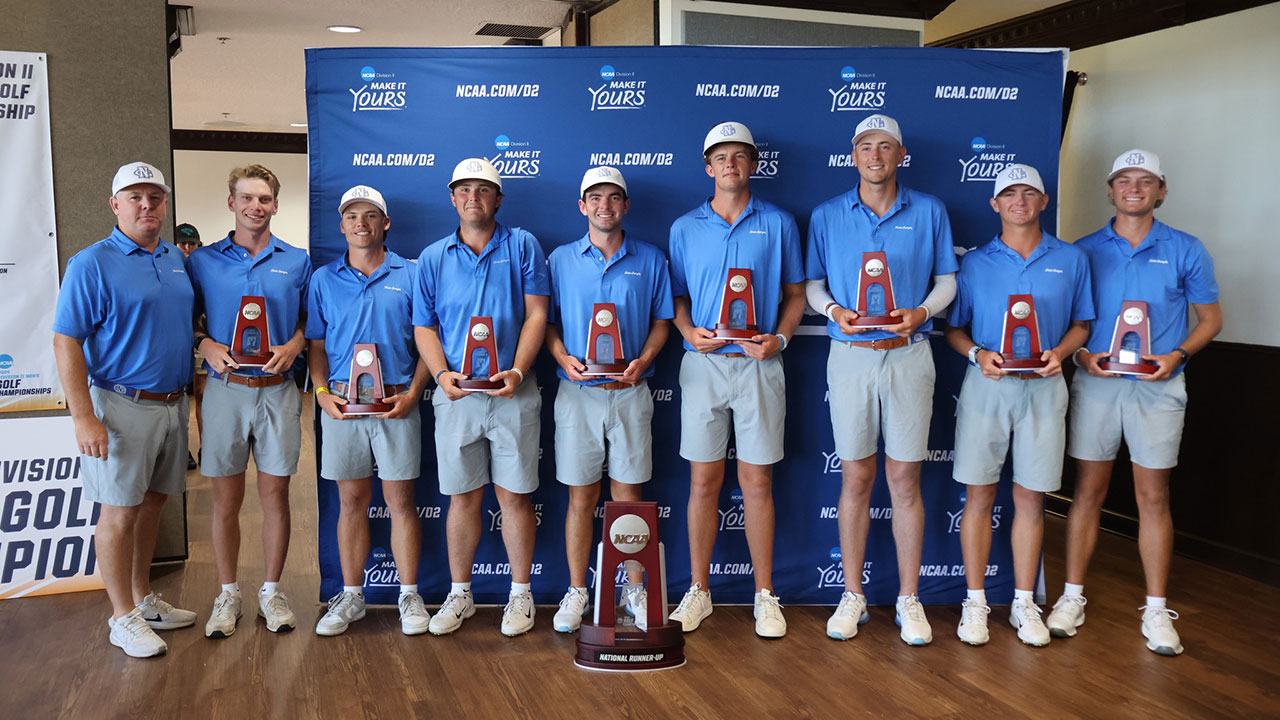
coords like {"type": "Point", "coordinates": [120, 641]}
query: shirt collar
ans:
{"type": "Point", "coordinates": [1159, 231]}
{"type": "Point", "coordinates": [752, 206]}
{"type": "Point", "coordinates": [584, 247]}
{"type": "Point", "coordinates": [274, 244]}
{"type": "Point", "coordinates": [500, 233]}
{"type": "Point", "coordinates": [391, 262]}
{"type": "Point", "coordinates": [903, 199]}
{"type": "Point", "coordinates": [126, 245]}
{"type": "Point", "coordinates": [1047, 243]}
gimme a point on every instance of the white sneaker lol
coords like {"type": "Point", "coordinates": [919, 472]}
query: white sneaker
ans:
{"type": "Point", "coordinates": [910, 617]}
{"type": "Point", "coordinates": [1066, 616]}
{"type": "Point", "coordinates": [455, 608]}
{"type": "Point", "coordinates": [768, 612]}
{"type": "Point", "coordinates": [637, 604]}
{"type": "Point", "coordinates": [569, 617]}
{"type": "Point", "coordinates": [694, 607]}
{"type": "Point", "coordinates": [226, 611]}
{"type": "Point", "coordinates": [1025, 616]}
{"type": "Point", "coordinates": [344, 609]}
{"type": "Point", "coordinates": [517, 616]}
{"type": "Point", "coordinates": [414, 618]}
{"type": "Point", "coordinates": [160, 615]}
{"type": "Point", "coordinates": [1157, 628]}
{"type": "Point", "coordinates": [973, 622]}
{"type": "Point", "coordinates": [849, 614]}
{"type": "Point", "coordinates": [274, 608]}
{"type": "Point", "coordinates": [132, 634]}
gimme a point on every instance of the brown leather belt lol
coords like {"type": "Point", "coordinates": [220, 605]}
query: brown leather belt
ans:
{"type": "Point", "coordinates": [134, 394]}
{"type": "Point", "coordinates": [884, 344]}
{"type": "Point", "coordinates": [619, 385]}
{"type": "Point", "coordinates": [729, 354]}
{"type": "Point", "coordinates": [1025, 375]}
{"type": "Point", "coordinates": [254, 381]}
{"type": "Point", "coordinates": [340, 388]}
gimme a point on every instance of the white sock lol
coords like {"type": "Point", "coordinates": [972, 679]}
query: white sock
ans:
{"type": "Point", "coordinates": [353, 589]}
{"type": "Point", "coordinates": [520, 588]}
{"type": "Point", "coordinates": [460, 588]}
{"type": "Point", "coordinates": [407, 589]}
{"type": "Point", "coordinates": [1155, 602]}
{"type": "Point", "coordinates": [583, 589]}
{"type": "Point", "coordinates": [1070, 590]}
{"type": "Point", "coordinates": [978, 596]}
{"type": "Point", "coordinates": [1024, 595]}
{"type": "Point", "coordinates": [233, 588]}
{"type": "Point", "coordinates": [903, 598]}
{"type": "Point", "coordinates": [269, 588]}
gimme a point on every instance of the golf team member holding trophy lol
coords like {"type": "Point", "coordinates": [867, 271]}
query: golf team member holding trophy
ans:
{"type": "Point", "coordinates": [1145, 274]}
{"type": "Point", "coordinates": [606, 286]}
{"type": "Point", "coordinates": [734, 258]}
{"type": "Point", "coordinates": [122, 339]}
{"type": "Point", "coordinates": [250, 275]}
{"type": "Point", "coordinates": [365, 298]}
{"type": "Point", "coordinates": [1022, 291]}
{"type": "Point", "coordinates": [880, 241]}
{"type": "Point", "coordinates": [484, 285]}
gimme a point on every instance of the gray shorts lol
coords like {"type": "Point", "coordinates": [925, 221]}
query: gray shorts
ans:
{"type": "Point", "coordinates": [351, 447]}
{"type": "Point", "coordinates": [238, 418]}
{"type": "Point", "coordinates": [1148, 415]}
{"type": "Point", "coordinates": [1033, 411]}
{"type": "Point", "coordinates": [592, 422]}
{"type": "Point", "coordinates": [481, 438]}
{"type": "Point", "coordinates": [146, 449]}
{"type": "Point", "coordinates": [715, 391]}
{"type": "Point", "coordinates": [881, 391]}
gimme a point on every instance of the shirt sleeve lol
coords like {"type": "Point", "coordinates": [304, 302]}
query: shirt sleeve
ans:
{"type": "Point", "coordinates": [424, 296]}
{"type": "Point", "coordinates": [194, 276]}
{"type": "Point", "coordinates": [316, 323]}
{"type": "Point", "coordinates": [675, 245]}
{"type": "Point", "coordinates": [961, 313]}
{"type": "Point", "coordinates": [307, 272]}
{"type": "Point", "coordinates": [81, 307]}
{"type": "Point", "coordinates": [792, 261]}
{"type": "Point", "coordinates": [1200, 282]}
{"type": "Point", "coordinates": [944, 246]}
{"type": "Point", "coordinates": [553, 307]}
{"type": "Point", "coordinates": [533, 268]}
{"type": "Point", "coordinates": [1082, 303]}
{"type": "Point", "coordinates": [815, 259]}
{"type": "Point", "coordinates": [662, 307]}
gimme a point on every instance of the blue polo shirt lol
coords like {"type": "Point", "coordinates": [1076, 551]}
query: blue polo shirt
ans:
{"type": "Point", "coordinates": [344, 308]}
{"type": "Point", "coordinates": [133, 311]}
{"type": "Point", "coordinates": [224, 272]}
{"type": "Point", "coordinates": [635, 280]}
{"type": "Point", "coordinates": [915, 236]}
{"type": "Point", "coordinates": [1167, 270]}
{"type": "Point", "coordinates": [1056, 275]}
{"type": "Point", "coordinates": [764, 239]}
{"type": "Point", "coordinates": [454, 285]}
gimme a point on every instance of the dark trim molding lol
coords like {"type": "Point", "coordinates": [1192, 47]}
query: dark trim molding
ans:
{"type": "Point", "coordinates": [1085, 23]}
{"type": "Point", "coordinates": [224, 141]}
{"type": "Point", "coordinates": [917, 9]}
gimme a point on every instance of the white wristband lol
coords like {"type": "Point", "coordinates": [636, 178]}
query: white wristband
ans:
{"type": "Point", "coordinates": [516, 370]}
{"type": "Point", "coordinates": [783, 339]}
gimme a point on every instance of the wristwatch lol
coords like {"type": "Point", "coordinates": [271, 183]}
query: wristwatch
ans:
{"type": "Point", "coordinates": [1185, 355]}
{"type": "Point", "coordinates": [973, 353]}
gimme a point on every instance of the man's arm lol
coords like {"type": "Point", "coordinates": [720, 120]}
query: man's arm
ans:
{"type": "Point", "coordinates": [988, 360]}
{"type": "Point", "coordinates": [432, 353]}
{"type": "Point", "coordinates": [91, 434]}
{"type": "Point", "coordinates": [658, 332]}
{"type": "Point", "coordinates": [318, 365]}
{"type": "Point", "coordinates": [531, 335]}
{"type": "Point", "coordinates": [700, 338]}
{"type": "Point", "coordinates": [404, 403]}
{"type": "Point", "coordinates": [766, 345]}
{"type": "Point", "coordinates": [1208, 325]}
{"type": "Point", "coordinates": [572, 366]}
{"type": "Point", "coordinates": [282, 356]}
{"type": "Point", "coordinates": [1072, 340]}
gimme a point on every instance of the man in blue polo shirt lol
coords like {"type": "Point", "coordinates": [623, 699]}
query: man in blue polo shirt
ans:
{"type": "Point", "coordinates": [366, 296]}
{"type": "Point", "coordinates": [604, 417]}
{"type": "Point", "coordinates": [122, 340]}
{"type": "Point", "coordinates": [256, 408]}
{"type": "Point", "coordinates": [880, 379]}
{"type": "Point", "coordinates": [484, 269]}
{"type": "Point", "coordinates": [725, 383]}
{"type": "Point", "coordinates": [996, 401]}
{"type": "Point", "coordinates": [1135, 258]}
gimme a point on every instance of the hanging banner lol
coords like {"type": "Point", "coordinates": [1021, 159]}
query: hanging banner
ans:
{"type": "Point", "coordinates": [400, 119]}
{"type": "Point", "coordinates": [28, 239]}
{"type": "Point", "coordinates": [46, 525]}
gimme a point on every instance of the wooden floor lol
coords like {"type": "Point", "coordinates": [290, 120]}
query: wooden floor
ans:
{"type": "Point", "coordinates": [56, 661]}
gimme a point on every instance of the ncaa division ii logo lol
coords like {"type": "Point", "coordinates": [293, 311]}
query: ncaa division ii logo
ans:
{"type": "Point", "coordinates": [618, 91]}
{"type": "Point", "coordinates": [377, 92]}
{"type": "Point", "coordinates": [857, 92]}
{"type": "Point", "coordinates": [515, 158]}
{"type": "Point", "coordinates": [987, 160]}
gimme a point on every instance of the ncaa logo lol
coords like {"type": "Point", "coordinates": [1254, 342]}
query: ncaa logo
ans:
{"type": "Point", "coordinates": [978, 144]}
{"type": "Point", "coordinates": [1017, 174]}
{"type": "Point", "coordinates": [736, 495]}
{"type": "Point", "coordinates": [6, 362]}
{"type": "Point", "coordinates": [502, 142]}
{"type": "Point", "coordinates": [142, 171]}
{"type": "Point", "coordinates": [366, 73]}
{"type": "Point", "coordinates": [1135, 158]}
{"type": "Point", "coordinates": [847, 74]}
{"type": "Point", "coordinates": [607, 72]}
{"type": "Point", "coordinates": [835, 554]}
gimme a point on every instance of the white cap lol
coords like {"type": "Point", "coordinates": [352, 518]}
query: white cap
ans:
{"type": "Point", "coordinates": [476, 168]}
{"type": "Point", "coordinates": [878, 123]}
{"type": "Point", "coordinates": [363, 193]}
{"type": "Point", "coordinates": [602, 174]}
{"type": "Point", "coordinates": [728, 132]}
{"type": "Point", "coordinates": [1018, 174]}
{"type": "Point", "coordinates": [1136, 160]}
{"type": "Point", "coordinates": [137, 173]}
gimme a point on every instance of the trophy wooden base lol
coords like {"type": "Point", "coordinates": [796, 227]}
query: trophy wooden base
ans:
{"type": "Point", "coordinates": [602, 649]}
{"type": "Point", "coordinates": [876, 321]}
{"type": "Point", "coordinates": [604, 369]}
{"type": "Point", "coordinates": [365, 409]}
{"type": "Point", "coordinates": [1120, 368]}
{"type": "Point", "coordinates": [479, 385]}
{"type": "Point", "coordinates": [250, 361]}
{"type": "Point", "coordinates": [1022, 364]}
{"type": "Point", "coordinates": [724, 332]}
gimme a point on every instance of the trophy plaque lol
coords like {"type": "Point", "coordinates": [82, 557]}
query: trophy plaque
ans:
{"type": "Point", "coordinates": [366, 399]}
{"type": "Point", "coordinates": [630, 533]}
{"type": "Point", "coordinates": [480, 339]}
{"type": "Point", "coordinates": [875, 292]}
{"type": "Point", "coordinates": [737, 308]}
{"type": "Point", "coordinates": [1130, 341]}
{"type": "Point", "coordinates": [251, 343]}
{"type": "Point", "coordinates": [1021, 345]}
{"type": "Point", "coordinates": [604, 342]}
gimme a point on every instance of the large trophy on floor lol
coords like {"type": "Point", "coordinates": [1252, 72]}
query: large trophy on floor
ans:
{"type": "Point", "coordinates": [630, 534]}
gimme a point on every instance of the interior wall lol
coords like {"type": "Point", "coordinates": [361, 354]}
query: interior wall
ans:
{"type": "Point", "coordinates": [671, 21]}
{"type": "Point", "coordinates": [200, 193]}
{"type": "Point", "coordinates": [627, 22]}
{"type": "Point", "coordinates": [1206, 98]}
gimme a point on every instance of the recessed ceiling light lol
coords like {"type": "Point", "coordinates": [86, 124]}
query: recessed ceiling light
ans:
{"type": "Point", "coordinates": [297, 124]}
{"type": "Point", "coordinates": [345, 28]}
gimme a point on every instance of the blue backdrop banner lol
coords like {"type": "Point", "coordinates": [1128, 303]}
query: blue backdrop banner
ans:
{"type": "Point", "coordinates": [400, 119]}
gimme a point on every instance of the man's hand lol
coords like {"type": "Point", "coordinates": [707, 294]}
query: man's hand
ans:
{"type": "Point", "coordinates": [572, 367]}
{"type": "Point", "coordinates": [912, 318]}
{"type": "Point", "coordinates": [402, 405]}
{"type": "Point", "coordinates": [1167, 364]}
{"type": "Point", "coordinates": [91, 437]}
{"type": "Point", "coordinates": [988, 362]}
{"type": "Point", "coordinates": [448, 382]}
{"type": "Point", "coordinates": [703, 340]}
{"type": "Point", "coordinates": [1054, 366]}
{"type": "Point", "coordinates": [762, 347]}
{"type": "Point", "coordinates": [1089, 362]}
{"type": "Point", "coordinates": [510, 380]}
{"type": "Point", "coordinates": [331, 404]}
{"type": "Point", "coordinates": [844, 317]}
{"type": "Point", "coordinates": [635, 370]}
{"type": "Point", "coordinates": [218, 356]}
{"type": "Point", "coordinates": [282, 356]}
